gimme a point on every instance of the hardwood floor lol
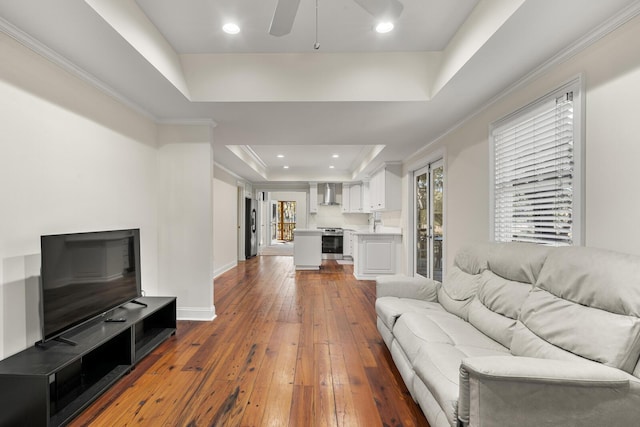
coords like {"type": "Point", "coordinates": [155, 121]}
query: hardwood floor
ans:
{"type": "Point", "coordinates": [287, 349]}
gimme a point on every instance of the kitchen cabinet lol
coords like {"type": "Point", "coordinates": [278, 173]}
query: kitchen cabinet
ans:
{"type": "Point", "coordinates": [353, 198]}
{"type": "Point", "coordinates": [346, 198]}
{"type": "Point", "coordinates": [376, 254]}
{"type": "Point", "coordinates": [365, 193]}
{"type": "Point", "coordinates": [385, 188]}
{"type": "Point", "coordinates": [313, 197]}
{"type": "Point", "coordinates": [347, 243]}
{"type": "Point", "coordinates": [307, 249]}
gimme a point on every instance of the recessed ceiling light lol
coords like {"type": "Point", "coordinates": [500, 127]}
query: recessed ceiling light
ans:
{"type": "Point", "coordinates": [285, 167]}
{"type": "Point", "coordinates": [280, 156]}
{"type": "Point", "coordinates": [231, 28]}
{"type": "Point", "coordinates": [335, 156]}
{"type": "Point", "coordinates": [331, 167]}
{"type": "Point", "coordinates": [384, 27]}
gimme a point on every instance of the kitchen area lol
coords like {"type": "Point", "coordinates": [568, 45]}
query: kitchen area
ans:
{"type": "Point", "coordinates": [346, 224]}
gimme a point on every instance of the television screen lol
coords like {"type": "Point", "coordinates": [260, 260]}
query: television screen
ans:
{"type": "Point", "coordinates": [85, 275]}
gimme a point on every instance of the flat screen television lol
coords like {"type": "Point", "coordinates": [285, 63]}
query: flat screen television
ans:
{"type": "Point", "coordinates": [85, 275]}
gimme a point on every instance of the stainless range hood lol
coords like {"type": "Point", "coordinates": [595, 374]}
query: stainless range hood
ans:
{"type": "Point", "coordinates": [329, 191]}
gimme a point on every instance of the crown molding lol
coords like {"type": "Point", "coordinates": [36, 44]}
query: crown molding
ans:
{"type": "Point", "coordinates": [249, 151]}
{"type": "Point", "coordinates": [46, 52]}
{"type": "Point", "coordinates": [607, 27]}
{"type": "Point", "coordinates": [250, 158]}
{"type": "Point", "coordinates": [230, 172]}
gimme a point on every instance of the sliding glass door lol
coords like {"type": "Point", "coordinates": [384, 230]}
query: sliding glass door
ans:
{"type": "Point", "coordinates": [428, 220]}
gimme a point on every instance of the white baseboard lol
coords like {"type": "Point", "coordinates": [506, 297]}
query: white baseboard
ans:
{"type": "Point", "coordinates": [218, 271]}
{"type": "Point", "coordinates": [204, 314]}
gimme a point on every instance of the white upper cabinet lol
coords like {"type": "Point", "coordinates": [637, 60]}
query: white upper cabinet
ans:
{"type": "Point", "coordinates": [346, 198]}
{"type": "Point", "coordinates": [313, 197]}
{"type": "Point", "coordinates": [366, 197]}
{"type": "Point", "coordinates": [355, 196]}
{"type": "Point", "coordinates": [385, 188]}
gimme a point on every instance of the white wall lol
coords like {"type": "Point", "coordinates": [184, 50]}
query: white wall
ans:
{"type": "Point", "coordinates": [612, 144]}
{"type": "Point", "coordinates": [185, 238]}
{"type": "Point", "coordinates": [71, 159]}
{"type": "Point", "coordinates": [225, 222]}
{"type": "Point", "coordinates": [611, 71]}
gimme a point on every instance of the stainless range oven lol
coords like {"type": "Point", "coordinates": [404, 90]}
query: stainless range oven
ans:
{"type": "Point", "coordinates": [332, 239]}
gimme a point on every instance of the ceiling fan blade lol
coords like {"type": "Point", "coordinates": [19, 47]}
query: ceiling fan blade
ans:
{"type": "Point", "coordinates": [283, 17]}
{"type": "Point", "coordinates": [382, 9]}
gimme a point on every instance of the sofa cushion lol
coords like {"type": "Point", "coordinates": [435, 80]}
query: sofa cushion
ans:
{"type": "Point", "coordinates": [457, 290]}
{"type": "Point", "coordinates": [497, 306]}
{"type": "Point", "coordinates": [458, 307]}
{"type": "Point", "coordinates": [502, 296]}
{"type": "Point", "coordinates": [586, 302]}
{"type": "Point", "coordinates": [401, 286]}
{"type": "Point", "coordinates": [472, 259]}
{"type": "Point", "coordinates": [594, 277]}
{"type": "Point", "coordinates": [415, 330]}
{"type": "Point", "coordinates": [519, 262]}
{"type": "Point", "coordinates": [526, 342]}
{"type": "Point", "coordinates": [462, 280]}
{"type": "Point", "coordinates": [599, 335]}
{"type": "Point", "coordinates": [460, 285]}
{"type": "Point", "coordinates": [389, 309]}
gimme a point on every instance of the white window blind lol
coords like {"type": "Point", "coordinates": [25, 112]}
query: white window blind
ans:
{"type": "Point", "coordinates": [534, 174]}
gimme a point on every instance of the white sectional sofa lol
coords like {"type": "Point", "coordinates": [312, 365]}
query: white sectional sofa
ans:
{"type": "Point", "coordinates": [519, 335]}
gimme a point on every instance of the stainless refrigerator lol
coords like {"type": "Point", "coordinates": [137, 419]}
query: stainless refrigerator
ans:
{"type": "Point", "coordinates": [250, 227]}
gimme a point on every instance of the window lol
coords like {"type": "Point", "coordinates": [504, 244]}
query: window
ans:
{"type": "Point", "coordinates": [536, 171]}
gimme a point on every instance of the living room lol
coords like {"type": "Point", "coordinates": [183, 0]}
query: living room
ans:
{"type": "Point", "coordinates": [76, 158]}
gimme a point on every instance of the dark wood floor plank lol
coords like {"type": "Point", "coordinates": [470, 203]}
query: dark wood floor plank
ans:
{"type": "Point", "coordinates": [302, 406]}
{"type": "Point", "coordinates": [323, 388]}
{"type": "Point", "coordinates": [291, 348]}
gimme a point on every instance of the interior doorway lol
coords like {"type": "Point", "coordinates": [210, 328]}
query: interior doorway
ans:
{"type": "Point", "coordinates": [283, 221]}
{"type": "Point", "coordinates": [428, 186]}
{"type": "Point", "coordinates": [281, 213]}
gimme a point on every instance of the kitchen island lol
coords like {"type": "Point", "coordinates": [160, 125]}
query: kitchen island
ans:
{"type": "Point", "coordinates": [307, 248]}
{"type": "Point", "coordinates": [376, 253]}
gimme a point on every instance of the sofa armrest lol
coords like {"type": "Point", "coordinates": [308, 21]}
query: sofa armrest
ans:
{"type": "Point", "coordinates": [402, 286]}
{"type": "Point", "coordinates": [523, 391]}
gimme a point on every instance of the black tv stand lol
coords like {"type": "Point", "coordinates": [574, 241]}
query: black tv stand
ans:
{"type": "Point", "coordinates": [66, 341]}
{"type": "Point", "coordinates": [52, 382]}
{"type": "Point", "coordinates": [58, 339]}
{"type": "Point", "coordinates": [135, 301]}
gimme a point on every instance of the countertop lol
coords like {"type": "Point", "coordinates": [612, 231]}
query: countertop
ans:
{"type": "Point", "coordinates": [377, 233]}
{"type": "Point", "coordinates": [307, 232]}
{"type": "Point", "coordinates": [383, 231]}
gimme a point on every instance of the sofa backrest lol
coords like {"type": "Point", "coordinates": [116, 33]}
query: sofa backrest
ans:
{"type": "Point", "coordinates": [460, 285]}
{"type": "Point", "coordinates": [585, 304]}
{"type": "Point", "coordinates": [512, 269]}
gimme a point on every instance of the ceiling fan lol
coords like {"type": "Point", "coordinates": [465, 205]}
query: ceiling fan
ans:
{"type": "Point", "coordinates": [286, 10]}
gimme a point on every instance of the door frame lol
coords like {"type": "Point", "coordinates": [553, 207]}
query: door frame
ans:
{"type": "Point", "coordinates": [414, 223]}
{"type": "Point", "coordinates": [432, 166]}
{"type": "Point", "coordinates": [412, 167]}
